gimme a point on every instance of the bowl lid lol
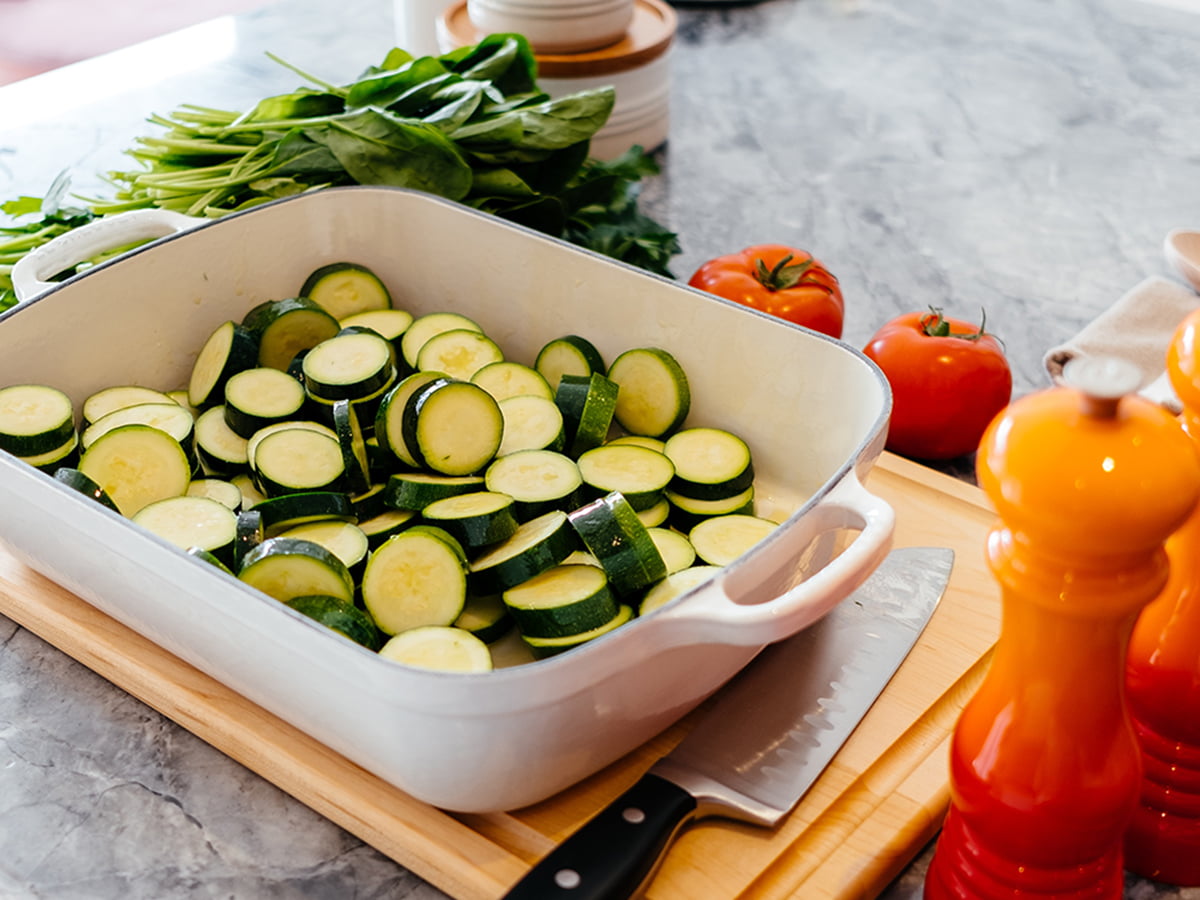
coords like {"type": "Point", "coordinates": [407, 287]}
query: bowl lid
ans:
{"type": "Point", "coordinates": [649, 35]}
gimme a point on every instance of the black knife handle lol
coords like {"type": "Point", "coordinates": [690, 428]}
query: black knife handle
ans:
{"type": "Point", "coordinates": [614, 854]}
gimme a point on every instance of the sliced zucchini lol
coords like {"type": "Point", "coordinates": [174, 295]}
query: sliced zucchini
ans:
{"type": "Point", "coordinates": [369, 503]}
{"type": "Point", "coordinates": [710, 463]}
{"type": "Point", "coordinates": [188, 521]}
{"type": "Point", "coordinates": [345, 540]}
{"type": "Point", "coordinates": [285, 568]}
{"type": "Point", "coordinates": [34, 419]}
{"type": "Point", "coordinates": [281, 513]}
{"type": "Point", "coordinates": [224, 492]}
{"type": "Point", "coordinates": [452, 427]}
{"type": "Point", "coordinates": [676, 550]}
{"type": "Point", "coordinates": [287, 424]}
{"type": "Point", "coordinates": [73, 478]}
{"type": "Point", "coordinates": [380, 527]}
{"type": "Point", "coordinates": [569, 355]}
{"type": "Point", "coordinates": [251, 495]}
{"type": "Point", "coordinates": [389, 324]}
{"type": "Point", "coordinates": [205, 556]}
{"type": "Point", "coordinates": [415, 578]}
{"type": "Point", "coordinates": [389, 418]}
{"type": "Point", "coordinates": [531, 422]}
{"type": "Point", "coordinates": [655, 515]}
{"type": "Point", "coordinates": [366, 407]}
{"type": "Point", "coordinates": [538, 545]}
{"type": "Point", "coordinates": [230, 349]}
{"type": "Point", "coordinates": [442, 648]}
{"type": "Point", "coordinates": [344, 288]}
{"type": "Point", "coordinates": [250, 533]}
{"type": "Point", "coordinates": [486, 617]}
{"type": "Point", "coordinates": [169, 417]}
{"type": "Point", "coordinates": [349, 366]}
{"type": "Point", "coordinates": [561, 601]}
{"type": "Point", "coordinates": [537, 480]}
{"type": "Point", "coordinates": [581, 558]}
{"type": "Point", "coordinates": [504, 379]}
{"type": "Point", "coordinates": [295, 460]}
{"type": "Point", "coordinates": [426, 326]}
{"type": "Point", "coordinates": [416, 490]}
{"type": "Point", "coordinates": [543, 648]}
{"type": "Point", "coordinates": [104, 401]}
{"type": "Point", "coordinates": [255, 398]}
{"type": "Point", "coordinates": [588, 404]}
{"type": "Point", "coordinates": [640, 441]}
{"type": "Point", "coordinates": [136, 465]}
{"type": "Point", "coordinates": [460, 353]}
{"type": "Point", "coordinates": [722, 539]}
{"type": "Point", "coordinates": [221, 450]}
{"type": "Point", "coordinates": [53, 460]}
{"type": "Point", "coordinates": [687, 513]}
{"type": "Point", "coordinates": [475, 519]}
{"type": "Point", "coordinates": [353, 446]}
{"type": "Point", "coordinates": [674, 585]}
{"type": "Point", "coordinates": [338, 615]}
{"type": "Point", "coordinates": [180, 396]}
{"type": "Point", "coordinates": [641, 474]}
{"type": "Point", "coordinates": [655, 398]}
{"type": "Point", "coordinates": [286, 327]}
{"type": "Point", "coordinates": [611, 530]}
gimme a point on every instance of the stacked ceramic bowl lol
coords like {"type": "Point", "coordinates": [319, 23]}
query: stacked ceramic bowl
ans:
{"type": "Point", "coordinates": [584, 44]}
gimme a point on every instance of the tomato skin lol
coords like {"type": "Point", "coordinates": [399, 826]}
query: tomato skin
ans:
{"type": "Point", "coordinates": [814, 301]}
{"type": "Point", "coordinates": [945, 389]}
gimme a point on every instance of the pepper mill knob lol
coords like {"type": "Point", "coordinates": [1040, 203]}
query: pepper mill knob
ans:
{"type": "Point", "coordinates": [1102, 381]}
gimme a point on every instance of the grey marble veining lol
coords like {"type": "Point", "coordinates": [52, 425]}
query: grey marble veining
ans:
{"type": "Point", "coordinates": [1023, 158]}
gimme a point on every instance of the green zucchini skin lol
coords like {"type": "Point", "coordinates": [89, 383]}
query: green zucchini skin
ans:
{"type": "Point", "coordinates": [338, 615]}
{"type": "Point", "coordinates": [588, 404]}
{"type": "Point", "coordinates": [286, 327]}
{"type": "Point", "coordinates": [230, 349]}
{"type": "Point", "coordinates": [536, 546]}
{"type": "Point", "coordinates": [285, 568]}
{"type": "Point", "coordinates": [35, 420]}
{"type": "Point", "coordinates": [280, 513]}
{"type": "Point", "coordinates": [610, 529]}
{"type": "Point", "coordinates": [75, 479]}
{"type": "Point", "coordinates": [543, 648]}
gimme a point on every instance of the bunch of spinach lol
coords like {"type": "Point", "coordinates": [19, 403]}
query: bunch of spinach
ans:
{"type": "Point", "coordinates": [471, 125]}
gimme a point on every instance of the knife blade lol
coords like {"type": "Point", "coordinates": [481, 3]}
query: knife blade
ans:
{"type": "Point", "coordinates": [768, 736]}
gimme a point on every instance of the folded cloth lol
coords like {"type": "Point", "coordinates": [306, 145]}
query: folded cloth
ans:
{"type": "Point", "coordinates": [1137, 328]}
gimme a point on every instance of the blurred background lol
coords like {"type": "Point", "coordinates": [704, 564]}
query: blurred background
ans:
{"type": "Point", "coordinates": [38, 35]}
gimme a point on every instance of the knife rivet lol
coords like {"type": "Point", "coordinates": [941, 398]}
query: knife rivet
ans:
{"type": "Point", "coordinates": [567, 879]}
{"type": "Point", "coordinates": [633, 815]}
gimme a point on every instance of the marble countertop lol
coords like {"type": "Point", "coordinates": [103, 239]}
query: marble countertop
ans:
{"type": "Point", "coordinates": [1023, 158]}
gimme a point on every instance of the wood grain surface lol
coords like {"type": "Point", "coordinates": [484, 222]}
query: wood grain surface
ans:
{"type": "Point", "coordinates": [872, 810]}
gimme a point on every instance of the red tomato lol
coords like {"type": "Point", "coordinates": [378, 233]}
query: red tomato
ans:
{"type": "Point", "coordinates": [782, 281]}
{"type": "Point", "coordinates": [949, 379]}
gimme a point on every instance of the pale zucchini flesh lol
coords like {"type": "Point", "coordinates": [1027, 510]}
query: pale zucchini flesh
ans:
{"type": "Point", "coordinates": [136, 465]}
{"type": "Point", "coordinates": [441, 648]}
{"type": "Point", "coordinates": [34, 419]}
{"type": "Point", "coordinates": [414, 579]}
{"type": "Point", "coordinates": [654, 397]}
{"type": "Point", "coordinates": [722, 539]}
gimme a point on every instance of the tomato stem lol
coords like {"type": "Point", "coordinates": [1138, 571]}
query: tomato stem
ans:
{"type": "Point", "coordinates": [936, 325]}
{"type": "Point", "coordinates": [781, 276]}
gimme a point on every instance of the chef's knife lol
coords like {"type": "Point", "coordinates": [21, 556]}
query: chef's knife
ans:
{"type": "Point", "coordinates": [769, 735]}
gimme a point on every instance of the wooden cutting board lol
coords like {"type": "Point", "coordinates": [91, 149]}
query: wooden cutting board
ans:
{"type": "Point", "coordinates": [873, 809]}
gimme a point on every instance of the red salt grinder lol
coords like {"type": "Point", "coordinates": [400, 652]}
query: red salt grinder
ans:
{"type": "Point", "coordinates": [1163, 677]}
{"type": "Point", "coordinates": [1088, 481]}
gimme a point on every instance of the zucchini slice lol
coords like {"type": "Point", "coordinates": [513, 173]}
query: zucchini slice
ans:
{"type": "Point", "coordinates": [285, 568]}
{"type": "Point", "coordinates": [416, 490]}
{"type": "Point", "coordinates": [710, 463]}
{"type": "Point", "coordinates": [475, 519]}
{"type": "Point", "coordinates": [286, 327]}
{"type": "Point", "coordinates": [251, 495]}
{"type": "Point", "coordinates": [460, 353]}
{"type": "Point", "coordinates": [640, 441]}
{"type": "Point", "coordinates": [722, 539]}
{"type": "Point", "coordinates": [258, 397]}
{"type": "Point", "coordinates": [675, 585]}
{"type": "Point", "coordinates": [531, 422]}
{"type": "Point", "coordinates": [287, 424]}
{"type": "Point", "coordinates": [205, 556]}
{"type": "Point", "coordinates": [687, 513]}
{"type": "Point", "coordinates": [221, 450]}
{"type": "Point", "coordinates": [53, 460]}
{"type": "Point", "coordinates": [389, 418]}
{"type": "Point", "coordinates": [538, 481]}
{"type": "Point", "coordinates": [486, 617]}
{"type": "Point", "coordinates": [426, 326]}
{"type": "Point", "coordinates": [442, 648]}
{"type": "Point", "coordinates": [136, 465]}
{"type": "Point", "coordinates": [338, 615]}
{"type": "Point", "coordinates": [230, 349]}
{"type": "Point", "coordinates": [353, 446]}
{"type": "Point", "coordinates": [655, 398]}
{"type": "Point", "coordinates": [415, 578]}
{"type": "Point", "coordinates": [386, 524]}
{"type": "Point", "coordinates": [34, 419]}
{"type": "Point", "coordinates": [369, 503]}
{"type": "Point", "coordinates": [568, 355]}
{"type": "Point", "coordinates": [641, 474]}
{"type": "Point", "coordinates": [504, 379]}
{"type": "Point", "coordinates": [538, 545]}
{"type": "Point", "coordinates": [170, 417]}
{"type": "Point", "coordinates": [676, 550]}
{"type": "Point", "coordinates": [588, 404]}
{"type": "Point", "coordinates": [611, 530]}
{"type": "Point", "coordinates": [345, 540]}
{"type": "Point", "coordinates": [106, 400]}
{"type": "Point", "coordinates": [389, 324]}
{"type": "Point", "coordinates": [250, 533]}
{"type": "Point", "coordinates": [565, 600]}
{"type": "Point", "coordinates": [349, 366]}
{"type": "Point", "coordinates": [344, 288]}
{"type": "Point", "coordinates": [452, 427]}
{"type": "Point", "coordinates": [224, 492]}
{"type": "Point", "coordinates": [73, 478]}
{"type": "Point", "coordinates": [281, 513]}
{"type": "Point", "coordinates": [189, 521]}
{"type": "Point", "coordinates": [543, 648]}
{"type": "Point", "coordinates": [655, 515]}
{"type": "Point", "coordinates": [295, 460]}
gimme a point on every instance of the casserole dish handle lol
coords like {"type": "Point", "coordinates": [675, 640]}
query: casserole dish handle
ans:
{"type": "Point", "coordinates": [758, 601]}
{"type": "Point", "coordinates": [32, 273]}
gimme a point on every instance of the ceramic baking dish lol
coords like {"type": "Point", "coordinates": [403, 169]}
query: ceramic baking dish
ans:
{"type": "Point", "coordinates": [813, 410]}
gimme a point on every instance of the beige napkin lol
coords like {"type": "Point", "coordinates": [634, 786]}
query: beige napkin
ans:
{"type": "Point", "coordinates": [1137, 328]}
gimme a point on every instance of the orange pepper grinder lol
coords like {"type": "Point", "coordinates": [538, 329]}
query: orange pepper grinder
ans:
{"type": "Point", "coordinates": [1088, 481]}
{"type": "Point", "coordinates": [1163, 677]}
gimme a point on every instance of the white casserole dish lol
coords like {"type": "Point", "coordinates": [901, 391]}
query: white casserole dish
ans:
{"type": "Point", "coordinates": [813, 410]}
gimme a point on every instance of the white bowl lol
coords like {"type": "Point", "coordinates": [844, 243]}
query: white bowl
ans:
{"type": "Point", "coordinates": [814, 411]}
{"type": "Point", "coordinates": [555, 26]}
